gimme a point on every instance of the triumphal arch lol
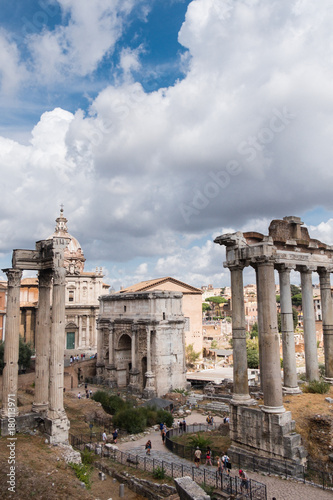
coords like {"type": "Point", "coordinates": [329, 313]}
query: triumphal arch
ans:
{"type": "Point", "coordinates": [48, 260]}
{"type": "Point", "coordinates": [269, 431]}
{"type": "Point", "coordinates": [141, 342]}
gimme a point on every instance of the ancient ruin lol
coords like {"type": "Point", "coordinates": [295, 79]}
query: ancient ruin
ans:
{"type": "Point", "coordinates": [269, 431]}
{"type": "Point", "coordinates": [48, 260]}
{"type": "Point", "coordinates": [141, 342]}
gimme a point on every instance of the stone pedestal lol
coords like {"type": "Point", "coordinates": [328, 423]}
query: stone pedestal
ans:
{"type": "Point", "coordinates": [56, 429]}
{"type": "Point", "coordinates": [111, 375]}
{"type": "Point", "coordinates": [134, 386]}
{"type": "Point", "coordinates": [149, 391]}
{"type": "Point", "coordinates": [255, 433]}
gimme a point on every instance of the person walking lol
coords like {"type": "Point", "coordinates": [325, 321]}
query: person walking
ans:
{"type": "Point", "coordinates": [115, 436]}
{"type": "Point", "coordinates": [208, 456]}
{"type": "Point", "coordinates": [244, 480]}
{"type": "Point", "coordinates": [197, 456]}
{"type": "Point", "coordinates": [148, 447]}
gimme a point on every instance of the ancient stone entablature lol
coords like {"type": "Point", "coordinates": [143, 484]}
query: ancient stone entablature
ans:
{"type": "Point", "coordinates": [141, 342]}
{"type": "Point", "coordinates": [287, 247]}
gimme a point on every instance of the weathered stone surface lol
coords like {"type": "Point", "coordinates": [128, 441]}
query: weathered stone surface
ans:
{"type": "Point", "coordinates": [187, 489]}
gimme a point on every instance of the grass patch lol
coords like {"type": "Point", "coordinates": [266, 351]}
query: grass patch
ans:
{"type": "Point", "coordinates": [83, 473]}
{"type": "Point", "coordinates": [316, 387]}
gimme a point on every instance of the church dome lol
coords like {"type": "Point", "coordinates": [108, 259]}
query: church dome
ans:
{"type": "Point", "coordinates": [74, 258]}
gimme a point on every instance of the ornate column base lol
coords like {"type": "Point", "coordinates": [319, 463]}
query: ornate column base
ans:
{"type": "Point", "coordinates": [134, 386]}
{"type": "Point", "coordinates": [242, 399]}
{"type": "Point", "coordinates": [291, 390]}
{"type": "Point", "coordinates": [149, 391]}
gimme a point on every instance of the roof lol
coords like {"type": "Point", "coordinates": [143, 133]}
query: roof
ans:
{"type": "Point", "coordinates": [159, 403]}
{"type": "Point", "coordinates": [29, 281]}
{"type": "Point", "coordinates": [152, 284]}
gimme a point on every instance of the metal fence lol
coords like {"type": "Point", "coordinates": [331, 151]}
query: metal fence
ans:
{"type": "Point", "coordinates": [228, 484]}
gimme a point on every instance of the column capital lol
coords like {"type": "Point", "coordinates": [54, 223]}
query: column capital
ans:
{"type": "Point", "coordinates": [306, 269]}
{"type": "Point", "coordinates": [14, 276]}
{"type": "Point", "coordinates": [263, 260]}
{"type": "Point", "coordinates": [324, 270]}
{"type": "Point", "coordinates": [236, 266]}
{"type": "Point", "coordinates": [285, 267]}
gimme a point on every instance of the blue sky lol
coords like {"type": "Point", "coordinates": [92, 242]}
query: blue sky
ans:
{"type": "Point", "coordinates": [159, 125]}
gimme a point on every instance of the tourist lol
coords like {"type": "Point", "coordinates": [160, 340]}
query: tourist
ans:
{"type": "Point", "coordinates": [148, 447]}
{"type": "Point", "coordinates": [184, 425]}
{"type": "Point", "coordinates": [197, 456]}
{"type": "Point", "coordinates": [115, 436]}
{"type": "Point", "coordinates": [181, 426]}
{"type": "Point", "coordinates": [90, 393]}
{"type": "Point", "coordinates": [104, 438]}
{"type": "Point", "coordinates": [244, 480]}
{"type": "Point", "coordinates": [79, 395]}
{"type": "Point", "coordinates": [208, 456]}
{"type": "Point", "coordinates": [219, 466]}
{"type": "Point", "coordinates": [226, 463]}
{"type": "Point", "coordinates": [161, 427]}
{"type": "Point", "coordinates": [87, 394]}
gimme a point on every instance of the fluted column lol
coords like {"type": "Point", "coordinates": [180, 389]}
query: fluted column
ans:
{"type": "Point", "coordinates": [100, 335]}
{"type": "Point", "coordinates": [88, 331]}
{"type": "Point", "coordinates": [56, 402]}
{"type": "Point", "coordinates": [290, 385]}
{"type": "Point", "coordinates": [327, 315]}
{"type": "Point", "coordinates": [11, 353]}
{"type": "Point", "coordinates": [133, 348]}
{"type": "Point", "coordinates": [270, 369]}
{"type": "Point", "coordinates": [111, 345]}
{"type": "Point", "coordinates": [240, 376]}
{"type": "Point", "coordinates": [309, 325]}
{"type": "Point", "coordinates": [43, 333]}
{"type": "Point", "coordinates": [260, 326]}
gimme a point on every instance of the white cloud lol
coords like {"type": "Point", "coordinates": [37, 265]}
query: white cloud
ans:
{"type": "Point", "coordinates": [12, 70]}
{"type": "Point", "coordinates": [245, 137]}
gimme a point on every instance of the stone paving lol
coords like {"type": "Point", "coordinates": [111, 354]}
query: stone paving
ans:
{"type": "Point", "coordinates": [277, 487]}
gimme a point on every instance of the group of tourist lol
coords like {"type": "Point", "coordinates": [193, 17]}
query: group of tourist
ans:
{"type": "Point", "coordinates": [80, 357]}
{"type": "Point", "coordinates": [89, 393]}
{"type": "Point", "coordinates": [182, 425]}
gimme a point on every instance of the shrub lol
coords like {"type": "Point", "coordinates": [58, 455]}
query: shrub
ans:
{"type": "Point", "coordinates": [164, 416]}
{"type": "Point", "coordinates": [322, 370]}
{"type": "Point", "coordinates": [131, 419]}
{"type": "Point", "coordinates": [159, 473]}
{"type": "Point", "coordinates": [316, 387]}
{"type": "Point", "coordinates": [200, 440]}
{"type": "Point", "coordinates": [110, 403]}
{"type": "Point", "coordinates": [83, 473]}
{"type": "Point", "coordinates": [87, 457]}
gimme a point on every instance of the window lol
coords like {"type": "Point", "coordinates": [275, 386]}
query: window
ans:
{"type": "Point", "coordinates": [71, 296]}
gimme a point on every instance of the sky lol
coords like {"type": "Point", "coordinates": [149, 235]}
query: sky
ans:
{"type": "Point", "coordinates": [159, 125]}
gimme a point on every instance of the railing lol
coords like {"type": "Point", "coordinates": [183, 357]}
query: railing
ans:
{"type": "Point", "coordinates": [306, 474]}
{"type": "Point", "coordinates": [228, 484]}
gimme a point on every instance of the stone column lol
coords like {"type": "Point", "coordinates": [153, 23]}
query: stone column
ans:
{"type": "Point", "coordinates": [134, 372]}
{"type": "Point", "coordinates": [100, 335]}
{"type": "Point", "coordinates": [88, 331]}
{"type": "Point", "coordinates": [149, 390]}
{"type": "Point", "coordinates": [260, 327]}
{"type": "Point", "coordinates": [111, 345]}
{"type": "Point", "coordinates": [11, 353]}
{"type": "Point", "coordinates": [270, 370]}
{"type": "Point", "coordinates": [56, 401]}
{"type": "Point", "coordinates": [240, 385]}
{"type": "Point", "coordinates": [327, 312]}
{"type": "Point", "coordinates": [290, 385]}
{"type": "Point", "coordinates": [43, 333]}
{"type": "Point", "coordinates": [309, 325]}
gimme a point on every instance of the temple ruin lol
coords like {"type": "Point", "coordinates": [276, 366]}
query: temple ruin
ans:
{"type": "Point", "coordinates": [269, 431]}
{"type": "Point", "coordinates": [48, 406]}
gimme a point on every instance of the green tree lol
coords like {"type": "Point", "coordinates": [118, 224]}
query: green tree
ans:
{"type": "Point", "coordinates": [217, 300]}
{"type": "Point", "coordinates": [191, 356]}
{"type": "Point", "coordinates": [213, 344]}
{"type": "Point", "coordinates": [254, 331]}
{"type": "Point", "coordinates": [205, 307]}
{"type": "Point", "coordinates": [295, 290]}
{"type": "Point", "coordinates": [25, 353]}
{"type": "Point", "coordinates": [278, 299]}
{"type": "Point", "coordinates": [252, 351]}
{"type": "Point", "coordinates": [296, 300]}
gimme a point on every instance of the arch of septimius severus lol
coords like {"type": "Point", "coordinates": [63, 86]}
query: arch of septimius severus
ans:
{"type": "Point", "coordinates": [48, 260]}
{"type": "Point", "coordinates": [288, 246]}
